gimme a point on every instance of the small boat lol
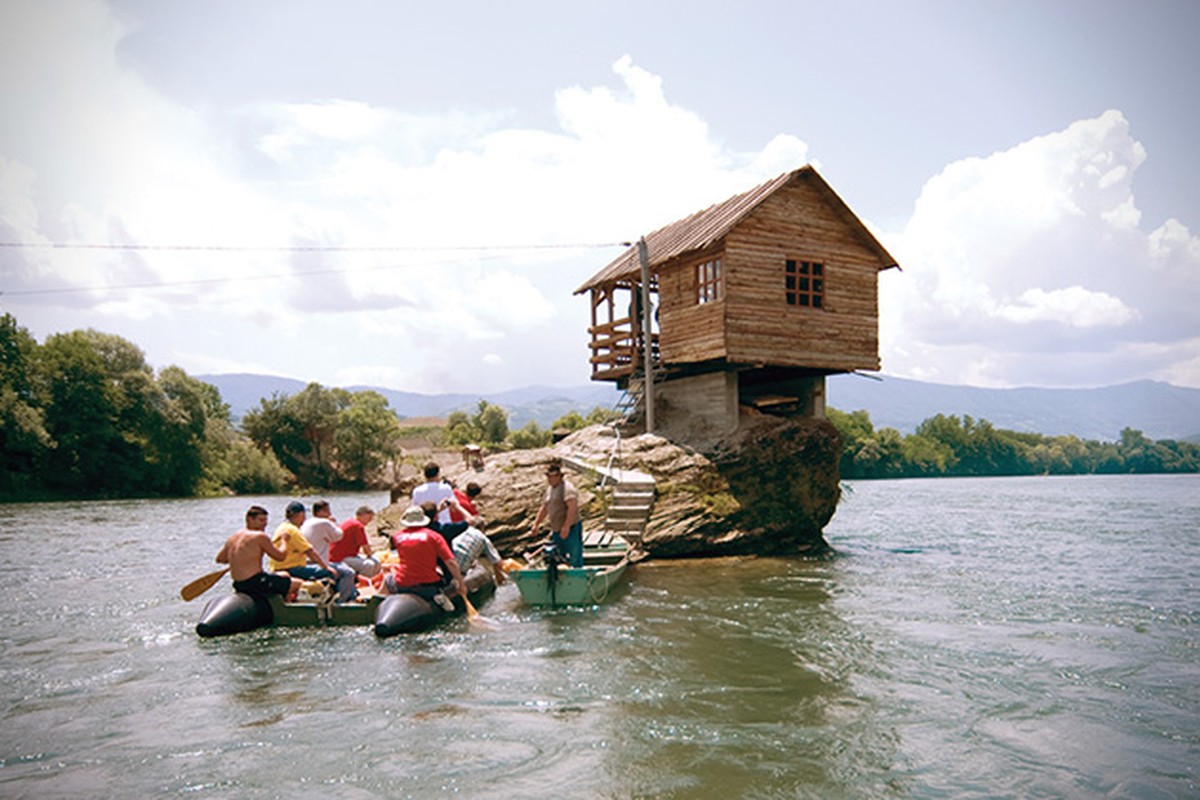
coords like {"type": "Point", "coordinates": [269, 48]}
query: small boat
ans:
{"type": "Point", "coordinates": [606, 557]}
{"type": "Point", "coordinates": [388, 614]}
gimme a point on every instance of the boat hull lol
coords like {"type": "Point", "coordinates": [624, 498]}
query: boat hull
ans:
{"type": "Point", "coordinates": [233, 613]}
{"type": "Point", "coordinates": [389, 615]}
{"type": "Point", "coordinates": [603, 571]}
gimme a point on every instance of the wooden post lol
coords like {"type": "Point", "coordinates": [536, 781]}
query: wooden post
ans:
{"type": "Point", "coordinates": [647, 343]}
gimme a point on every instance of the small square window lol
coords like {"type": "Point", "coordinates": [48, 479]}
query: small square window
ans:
{"type": "Point", "coordinates": [709, 282]}
{"type": "Point", "coordinates": [804, 283]}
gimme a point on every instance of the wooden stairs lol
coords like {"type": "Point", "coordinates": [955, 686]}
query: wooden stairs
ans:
{"type": "Point", "coordinates": [629, 504]}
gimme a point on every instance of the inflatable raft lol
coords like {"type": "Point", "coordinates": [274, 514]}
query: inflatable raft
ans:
{"type": "Point", "coordinates": [389, 615]}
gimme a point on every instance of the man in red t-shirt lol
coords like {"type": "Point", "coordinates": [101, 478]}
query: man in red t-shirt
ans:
{"type": "Point", "coordinates": [353, 549]}
{"type": "Point", "coordinates": [421, 551]}
{"type": "Point", "coordinates": [466, 501]}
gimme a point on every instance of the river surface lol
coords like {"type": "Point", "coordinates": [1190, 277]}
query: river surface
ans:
{"type": "Point", "coordinates": [990, 638]}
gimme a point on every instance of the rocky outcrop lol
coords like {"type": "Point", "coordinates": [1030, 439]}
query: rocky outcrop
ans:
{"type": "Point", "coordinates": [769, 488]}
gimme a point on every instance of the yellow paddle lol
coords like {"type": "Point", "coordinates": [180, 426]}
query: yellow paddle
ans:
{"type": "Point", "coordinates": [201, 585]}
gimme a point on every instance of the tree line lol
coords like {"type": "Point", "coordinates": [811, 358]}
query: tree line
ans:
{"type": "Point", "coordinates": [944, 446]}
{"type": "Point", "coordinates": [84, 415]}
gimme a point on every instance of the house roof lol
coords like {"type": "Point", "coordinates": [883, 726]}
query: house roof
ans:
{"type": "Point", "coordinates": [706, 227]}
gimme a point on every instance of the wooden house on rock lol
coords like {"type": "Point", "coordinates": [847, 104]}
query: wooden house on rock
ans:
{"type": "Point", "coordinates": [751, 302]}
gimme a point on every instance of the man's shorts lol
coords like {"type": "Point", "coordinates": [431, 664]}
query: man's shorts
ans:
{"type": "Point", "coordinates": [264, 584]}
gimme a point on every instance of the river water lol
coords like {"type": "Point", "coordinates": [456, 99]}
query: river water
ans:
{"type": "Point", "coordinates": [1004, 637]}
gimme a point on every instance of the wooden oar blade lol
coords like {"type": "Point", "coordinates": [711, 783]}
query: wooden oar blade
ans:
{"type": "Point", "coordinates": [201, 585]}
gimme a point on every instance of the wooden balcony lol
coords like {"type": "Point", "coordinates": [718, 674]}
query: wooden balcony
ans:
{"type": "Point", "coordinates": [618, 350]}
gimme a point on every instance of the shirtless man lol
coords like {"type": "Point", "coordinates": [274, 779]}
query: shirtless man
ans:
{"type": "Point", "coordinates": [243, 552]}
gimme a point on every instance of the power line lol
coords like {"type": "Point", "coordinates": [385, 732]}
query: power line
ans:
{"type": "Point", "coordinates": [231, 279]}
{"type": "Point", "coordinates": [270, 276]}
{"type": "Point", "coordinates": [303, 248]}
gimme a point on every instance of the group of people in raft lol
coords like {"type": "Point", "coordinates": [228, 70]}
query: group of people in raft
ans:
{"type": "Point", "coordinates": [439, 542]}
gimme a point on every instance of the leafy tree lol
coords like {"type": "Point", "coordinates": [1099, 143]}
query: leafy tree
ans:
{"type": "Point", "coordinates": [529, 437]}
{"type": "Point", "coordinates": [195, 431]}
{"type": "Point", "coordinates": [90, 456]}
{"type": "Point", "coordinates": [367, 430]}
{"type": "Point", "coordinates": [571, 421]}
{"type": "Point", "coordinates": [248, 470]}
{"type": "Point", "coordinates": [23, 436]}
{"type": "Point", "coordinates": [487, 426]}
{"type": "Point", "coordinates": [272, 428]}
{"type": "Point", "coordinates": [600, 415]}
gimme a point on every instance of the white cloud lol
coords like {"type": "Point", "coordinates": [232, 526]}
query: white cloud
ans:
{"type": "Point", "coordinates": [1073, 306]}
{"type": "Point", "coordinates": [1024, 266]}
{"type": "Point", "coordinates": [344, 173]}
{"type": "Point", "coordinates": [1032, 258]}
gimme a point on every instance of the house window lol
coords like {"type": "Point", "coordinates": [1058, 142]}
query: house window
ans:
{"type": "Point", "coordinates": [709, 283]}
{"type": "Point", "coordinates": [804, 283]}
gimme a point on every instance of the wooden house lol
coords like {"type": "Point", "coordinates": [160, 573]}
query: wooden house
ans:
{"type": "Point", "coordinates": [752, 301]}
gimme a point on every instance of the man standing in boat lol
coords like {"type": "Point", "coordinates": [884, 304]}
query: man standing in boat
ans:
{"type": "Point", "coordinates": [560, 509]}
{"type": "Point", "coordinates": [244, 551]}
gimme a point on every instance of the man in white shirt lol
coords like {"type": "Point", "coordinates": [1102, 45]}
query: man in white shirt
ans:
{"type": "Point", "coordinates": [437, 491]}
{"type": "Point", "coordinates": [322, 530]}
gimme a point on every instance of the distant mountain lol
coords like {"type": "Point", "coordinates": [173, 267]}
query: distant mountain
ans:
{"type": "Point", "coordinates": [541, 404]}
{"type": "Point", "coordinates": [1159, 410]}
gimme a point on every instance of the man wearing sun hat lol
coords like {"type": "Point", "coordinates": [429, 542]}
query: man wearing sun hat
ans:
{"type": "Point", "coordinates": [420, 552]}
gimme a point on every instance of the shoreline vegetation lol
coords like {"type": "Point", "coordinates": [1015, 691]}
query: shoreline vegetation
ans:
{"type": "Point", "coordinates": [83, 415]}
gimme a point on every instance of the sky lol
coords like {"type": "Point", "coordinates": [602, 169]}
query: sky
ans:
{"type": "Point", "coordinates": [407, 195]}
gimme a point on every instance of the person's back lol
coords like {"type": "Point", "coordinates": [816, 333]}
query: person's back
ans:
{"type": "Point", "coordinates": [433, 490]}
{"type": "Point", "coordinates": [244, 551]}
{"type": "Point", "coordinates": [321, 533]}
{"type": "Point", "coordinates": [418, 552]}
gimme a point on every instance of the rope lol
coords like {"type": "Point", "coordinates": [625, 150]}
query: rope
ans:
{"type": "Point", "coordinates": [592, 587]}
{"type": "Point", "coordinates": [325, 603]}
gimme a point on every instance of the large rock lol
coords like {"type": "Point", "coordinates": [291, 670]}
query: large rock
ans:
{"type": "Point", "coordinates": [769, 488]}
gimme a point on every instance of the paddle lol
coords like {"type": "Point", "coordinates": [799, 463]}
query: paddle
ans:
{"type": "Point", "coordinates": [201, 585]}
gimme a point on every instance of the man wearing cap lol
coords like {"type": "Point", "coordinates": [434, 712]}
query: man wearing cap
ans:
{"type": "Point", "coordinates": [353, 549]}
{"type": "Point", "coordinates": [560, 509]}
{"type": "Point", "coordinates": [297, 551]}
{"type": "Point", "coordinates": [420, 551]}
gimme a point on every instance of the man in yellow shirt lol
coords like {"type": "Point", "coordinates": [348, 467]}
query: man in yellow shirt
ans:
{"type": "Point", "coordinates": [297, 551]}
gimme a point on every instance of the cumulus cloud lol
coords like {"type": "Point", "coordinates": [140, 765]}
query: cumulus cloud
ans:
{"type": "Point", "coordinates": [1024, 266]}
{"type": "Point", "coordinates": [1029, 266]}
{"type": "Point", "coordinates": [264, 192]}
